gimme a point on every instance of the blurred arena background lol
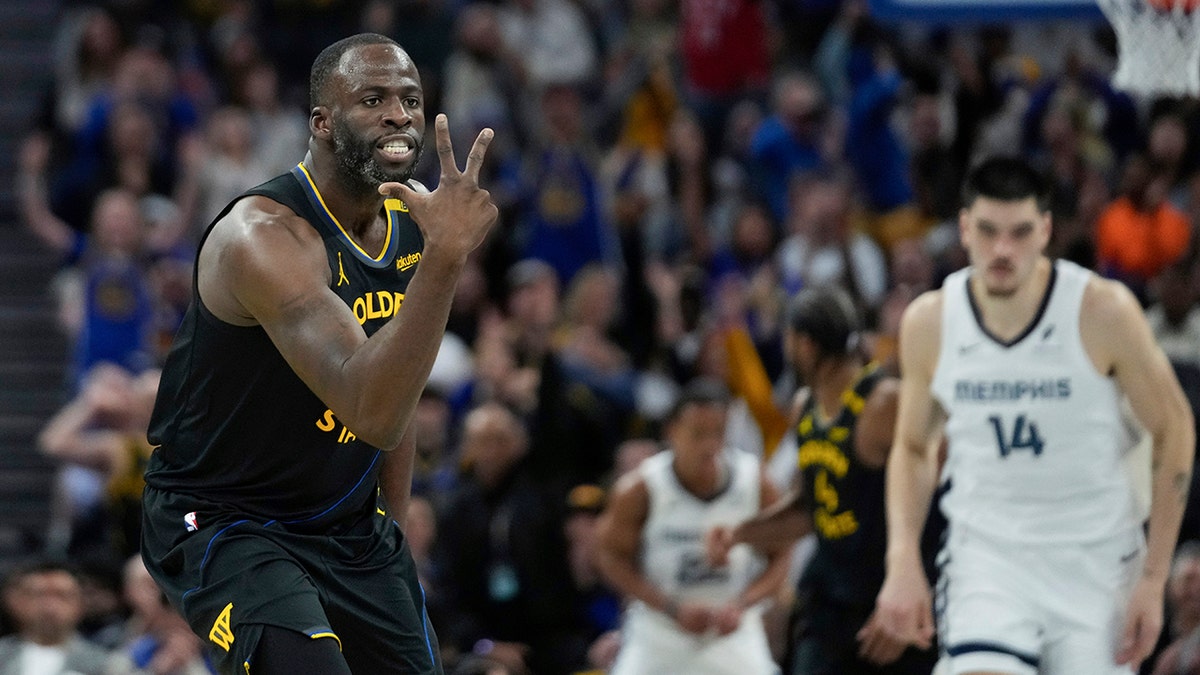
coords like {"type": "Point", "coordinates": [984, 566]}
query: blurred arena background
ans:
{"type": "Point", "coordinates": [668, 173]}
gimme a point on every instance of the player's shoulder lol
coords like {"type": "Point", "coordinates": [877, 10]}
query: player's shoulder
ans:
{"type": "Point", "coordinates": [258, 219]}
{"type": "Point", "coordinates": [260, 236]}
{"type": "Point", "coordinates": [630, 497]}
{"type": "Point", "coordinates": [629, 484]}
{"type": "Point", "coordinates": [921, 333]}
{"type": "Point", "coordinates": [1106, 301]}
{"type": "Point", "coordinates": [924, 314]}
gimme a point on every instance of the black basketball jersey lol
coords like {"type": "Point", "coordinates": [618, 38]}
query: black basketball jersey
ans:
{"type": "Point", "coordinates": [235, 425]}
{"type": "Point", "coordinates": [846, 501]}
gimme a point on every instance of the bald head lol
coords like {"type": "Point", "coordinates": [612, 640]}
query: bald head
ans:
{"type": "Point", "coordinates": [328, 61]}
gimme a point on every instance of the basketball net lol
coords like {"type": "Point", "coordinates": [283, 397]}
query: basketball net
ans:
{"type": "Point", "coordinates": [1158, 50]}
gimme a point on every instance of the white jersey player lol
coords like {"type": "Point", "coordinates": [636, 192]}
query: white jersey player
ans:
{"type": "Point", "coordinates": [685, 615]}
{"type": "Point", "coordinates": [1022, 362]}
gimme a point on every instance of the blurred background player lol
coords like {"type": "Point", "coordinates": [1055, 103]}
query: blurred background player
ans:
{"type": "Point", "coordinates": [686, 615]}
{"type": "Point", "coordinates": [843, 419]}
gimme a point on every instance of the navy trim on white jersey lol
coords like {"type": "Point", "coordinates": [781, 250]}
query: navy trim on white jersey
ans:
{"type": "Point", "coordinates": [1037, 317]}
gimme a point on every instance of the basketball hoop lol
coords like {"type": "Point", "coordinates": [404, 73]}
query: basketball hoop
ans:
{"type": "Point", "coordinates": [1158, 46]}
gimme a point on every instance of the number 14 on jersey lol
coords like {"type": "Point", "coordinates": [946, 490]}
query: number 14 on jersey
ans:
{"type": "Point", "coordinates": [1022, 435]}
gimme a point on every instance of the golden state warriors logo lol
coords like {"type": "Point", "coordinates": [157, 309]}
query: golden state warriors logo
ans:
{"type": "Point", "coordinates": [221, 633]}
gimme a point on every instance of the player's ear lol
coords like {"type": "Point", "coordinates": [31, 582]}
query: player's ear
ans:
{"type": "Point", "coordinates": [319, 121]}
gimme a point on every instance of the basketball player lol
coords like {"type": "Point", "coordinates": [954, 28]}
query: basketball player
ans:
{"type": "Point", "coordinates": [284, 460]}
{"type": "Point", "coordinates": [843, 420]}
{"type": "Point", "coordinates": [687, 616]}
{"type": "Point", "coordinates": [1022, 361]}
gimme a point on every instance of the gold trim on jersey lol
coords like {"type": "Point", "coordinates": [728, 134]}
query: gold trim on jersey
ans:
{"type": "Point", "coordinates": [853, 402]}
{"type": "Point", "coordinates": [391, 221]}
{"type": "Point", "coordinates": [328, 634]}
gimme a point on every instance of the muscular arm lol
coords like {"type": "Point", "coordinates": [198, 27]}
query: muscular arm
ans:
{"type": "Point", "coordinates": [264, 265]}
{"type": "Point", "coordinates": [1118, 340]}
{"type": "Point", "coordinates": [1116, 334]}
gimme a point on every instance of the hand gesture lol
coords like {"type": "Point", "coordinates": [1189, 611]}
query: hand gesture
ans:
{"type": "Point", "coordinates": [457, 215]}
{"type": "Point", "coordinates": [1143, 622]}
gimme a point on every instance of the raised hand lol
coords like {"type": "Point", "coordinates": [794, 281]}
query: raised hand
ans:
{"type": "Point", "coordinates": [456, 216]}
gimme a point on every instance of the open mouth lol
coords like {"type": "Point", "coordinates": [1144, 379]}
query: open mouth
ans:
{"type": "Point", "coordinates": [396, 148]}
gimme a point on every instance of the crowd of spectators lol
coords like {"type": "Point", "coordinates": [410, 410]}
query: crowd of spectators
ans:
{"type": "Point", "coordinates": [667, 174]}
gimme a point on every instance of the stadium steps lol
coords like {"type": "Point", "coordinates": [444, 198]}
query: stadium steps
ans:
{"type": "Point", "coordinates": [33, 362]}
{"type": "Point", "coordinates": [33, 352]}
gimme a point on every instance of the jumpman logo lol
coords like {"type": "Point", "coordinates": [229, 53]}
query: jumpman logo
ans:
{"type": "Point", "coordinates": [341, 271]}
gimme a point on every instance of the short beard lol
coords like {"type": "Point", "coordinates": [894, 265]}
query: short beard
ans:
{"type": "Point", "coordinates": [357, 168]}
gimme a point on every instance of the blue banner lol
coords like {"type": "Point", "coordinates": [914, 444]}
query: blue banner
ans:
{"type": "Point", "coordinates": [983, 11]}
